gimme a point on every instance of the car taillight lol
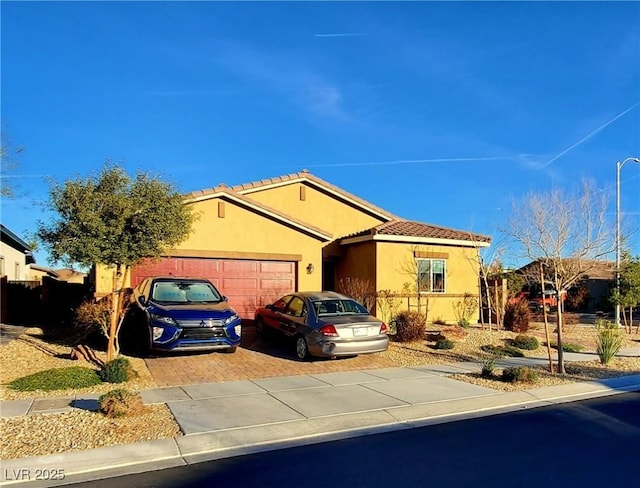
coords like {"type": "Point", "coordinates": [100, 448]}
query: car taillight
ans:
{"type": "Point", "coordinates": [329, 330]}
{"type": "Point", "coordinates": [383, 328]}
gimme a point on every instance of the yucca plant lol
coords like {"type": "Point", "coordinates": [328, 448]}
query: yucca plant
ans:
{"type": "Point", "coordinates": [609, 340]}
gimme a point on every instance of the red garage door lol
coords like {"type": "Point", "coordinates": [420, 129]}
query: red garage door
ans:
{"type": "Point", "coordinates": [247, 284]}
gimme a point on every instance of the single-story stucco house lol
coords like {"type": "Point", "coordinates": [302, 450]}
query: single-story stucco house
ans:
{"type": "Point", "coordinates": [16, 256]}
{"type": "Point", "coordinates": [261, 240]}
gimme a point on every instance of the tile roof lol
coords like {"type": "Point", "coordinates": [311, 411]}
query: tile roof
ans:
{"type": "Point", "coordinates": [284, 179]}
{"type": "Point", "coordinates": [407, 228]}
{"type": "Point", "coordinates": [592, 268]}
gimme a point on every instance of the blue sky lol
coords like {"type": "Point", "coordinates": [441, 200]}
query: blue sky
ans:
{"type": "Point", "coordinates": [441, 112]}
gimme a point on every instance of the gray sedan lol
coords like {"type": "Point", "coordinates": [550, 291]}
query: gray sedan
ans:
{"type": "Point", "coordinates": [324, 324]}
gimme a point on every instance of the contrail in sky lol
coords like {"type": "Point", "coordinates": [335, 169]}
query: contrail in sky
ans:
{"type": "Point", "coordinates": [588, 136]}
{"type": "Point", "coordinates": [412, 161]}
{"type": "Point", "coordinates": [345, 34]}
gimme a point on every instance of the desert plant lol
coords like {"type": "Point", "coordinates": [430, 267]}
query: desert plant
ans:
{"type": "Point", "coordinates": [57, 379]}
{"type": "Point", "coordinates": [118, 370]}
{"type": "Point", "coordinates": [502, 351]}
{"type": "Point", "coordinates": [569, 347]}
{"type": "Point", "coordinates": [519, 374]}
{"type": "Point", "coordinates": [444, 344]}
{"type": "Point", "coordinates": [121, 402]}
{"type": "Point", "coordinates": [516, 316]}
{"type": "Point", "coordinates": [440, 321]}
{"type": "Point", "coordinates": [387, 305]}
{"type": "Point", "coordinates": [577, 298]}
{"type": "Point", "coordinates": [409, 326]}
{"type": "Point", "coordinates": [463, 309]}
{"type": "Point", "coordinates": [609, 340]}
{"type": "Point", "coordinates": [528, 343]}
{"type": "Point", "coordinates": [488, 366]}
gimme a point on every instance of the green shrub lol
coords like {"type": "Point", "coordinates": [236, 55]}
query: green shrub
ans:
{"type": "Point", "coordinates": [528, 343]}
{"type": "Point", "coordinates": [519, 374]}
{"type": "Point", "coordinates": [516, 316]}
{"type": "Point", "coordinates": [57, 379]}
{"type": "Point", "coordinates": [568, 347]}
{"type": "Point", "coordinates": [118, 370]}
{"type": "Point", "coordinates": [488, 367]}
{"type": "Point", "coordinates": [444, 344]}
{"type": "Point", "coordinates": [120, 402]}
{"type": "Point", "coordinates": [463, 322]}
{"type": "Point", "coordinates": [609, 340]}
{"type": "Point", "coordinates": [502, 351]}
{"type": "Point", "coordinates": [409, 326]}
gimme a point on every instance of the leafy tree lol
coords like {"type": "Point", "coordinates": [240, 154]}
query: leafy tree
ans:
{"type": "Point", "coordinates": [629, 295]}
{"type": "Point", "coordinates": [565, 233]}
{"type": "Point", "coordinates": [113, 219]}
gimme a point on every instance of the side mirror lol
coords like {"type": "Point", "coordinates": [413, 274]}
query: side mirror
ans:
{"type": "Point", "coordinates": [269, 306]}
{"type": "Point", "coordinates": [142, 301]}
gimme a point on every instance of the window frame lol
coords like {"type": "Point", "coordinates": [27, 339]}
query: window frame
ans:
{"type": "Point", "coordinates": [434, 277]}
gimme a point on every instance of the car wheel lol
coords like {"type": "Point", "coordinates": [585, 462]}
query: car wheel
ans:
{"type": "Point", "coordinates": [260, 329]}
{"type": "Point", "coordinates": [230, 350]}
{"type": "Point", "coordinates": [302, 348]}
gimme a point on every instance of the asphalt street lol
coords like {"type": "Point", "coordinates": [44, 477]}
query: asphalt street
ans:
{"type": "Point", "coordinates": [578, 444]}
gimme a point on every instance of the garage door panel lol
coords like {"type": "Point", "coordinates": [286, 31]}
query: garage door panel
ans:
{"type": "Point", "coordinates": [247, 284]}
{"type": "Point", "coordinates": [199, 267]}
{"type": "Point", "coordinates": [240, 286]}
{"type": "Point", "coordinates": [276, 284]}
{"type": "Point", "coordinates": [276, 267]}
{"type": "Point", "coordinates": [240, 267]}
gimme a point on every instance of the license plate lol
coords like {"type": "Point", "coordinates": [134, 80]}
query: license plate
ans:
{"type": "Point", "coordinates": [360, 331]}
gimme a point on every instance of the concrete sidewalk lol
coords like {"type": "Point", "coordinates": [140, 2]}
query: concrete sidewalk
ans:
{"type": "Point", "coordinates": [239, 417]}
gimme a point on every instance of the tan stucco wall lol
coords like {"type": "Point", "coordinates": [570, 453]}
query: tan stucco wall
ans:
{"type": "Point", "coordinates": [358, 261]}
{"type": "Point", "coordinates": [394, 265]}
{"type": "Point", "coordinates": [243, 231]}
{"type": "Point", "coordinates": [322, 210]}
{"type": "Point", "coordinates": [11, 257]}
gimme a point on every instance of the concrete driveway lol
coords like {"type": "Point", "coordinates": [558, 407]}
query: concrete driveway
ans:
{"type": "Point", "coordinates": [255, 358]}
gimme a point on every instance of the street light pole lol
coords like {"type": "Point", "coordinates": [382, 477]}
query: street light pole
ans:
{"type": "Point", "coordinates": [619, 166]}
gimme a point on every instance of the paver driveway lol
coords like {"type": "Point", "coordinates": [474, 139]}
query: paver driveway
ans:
{"type": "Point", "coordinates": [255, 358]}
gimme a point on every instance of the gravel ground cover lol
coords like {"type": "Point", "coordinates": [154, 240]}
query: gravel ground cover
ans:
{"type": "Point", "coordinates": [44, 434]}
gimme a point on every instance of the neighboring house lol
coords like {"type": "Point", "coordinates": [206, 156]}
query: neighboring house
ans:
{"type": "Point", "coordinates": [598, 278]}
{"type": "Point", "coordinates": [15, 256]}
{"type": "Point", "coordinates": [38, 272]}
{"type": "Point", "coordinates": [71, 275]}
{"type": "Point", "coordinates": [297, 232]}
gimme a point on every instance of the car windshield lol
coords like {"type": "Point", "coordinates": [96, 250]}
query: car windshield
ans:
{"type": "Point", "coordinates": [185, 292]}
{"type": "Point", "coordinates": [338, 307]}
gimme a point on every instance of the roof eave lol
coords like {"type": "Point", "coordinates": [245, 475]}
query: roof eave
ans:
{"type": "Point", "coordinates": [413, 240]}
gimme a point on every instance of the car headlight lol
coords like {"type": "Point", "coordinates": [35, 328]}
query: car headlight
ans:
{"type": "Point", "coordinates": [163, 319]}
{"type": "Point", "coordinates": [231, 318]}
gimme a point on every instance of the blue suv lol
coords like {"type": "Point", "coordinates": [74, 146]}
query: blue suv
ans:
{"type": "Point", "coordinates": [179, 314]}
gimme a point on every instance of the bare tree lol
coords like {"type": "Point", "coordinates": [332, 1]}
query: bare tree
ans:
{"type": "Point", "coordinates": [9, 156]}
{"type": "Point", "coordinates": [566, 233]}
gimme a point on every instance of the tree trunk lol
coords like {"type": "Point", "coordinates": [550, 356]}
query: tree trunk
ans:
{"type": "Point", "coordinates": [561, 369]}
{"type": "Point", "coordinates": [546, 326]}
{"type": "Point", "coordinates": [115, 307]}
{"type": "Point", "coordinates": [488, 291]}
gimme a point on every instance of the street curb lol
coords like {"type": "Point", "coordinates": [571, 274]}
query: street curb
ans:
{"type": "Point", "coordinates": [106, 462]}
